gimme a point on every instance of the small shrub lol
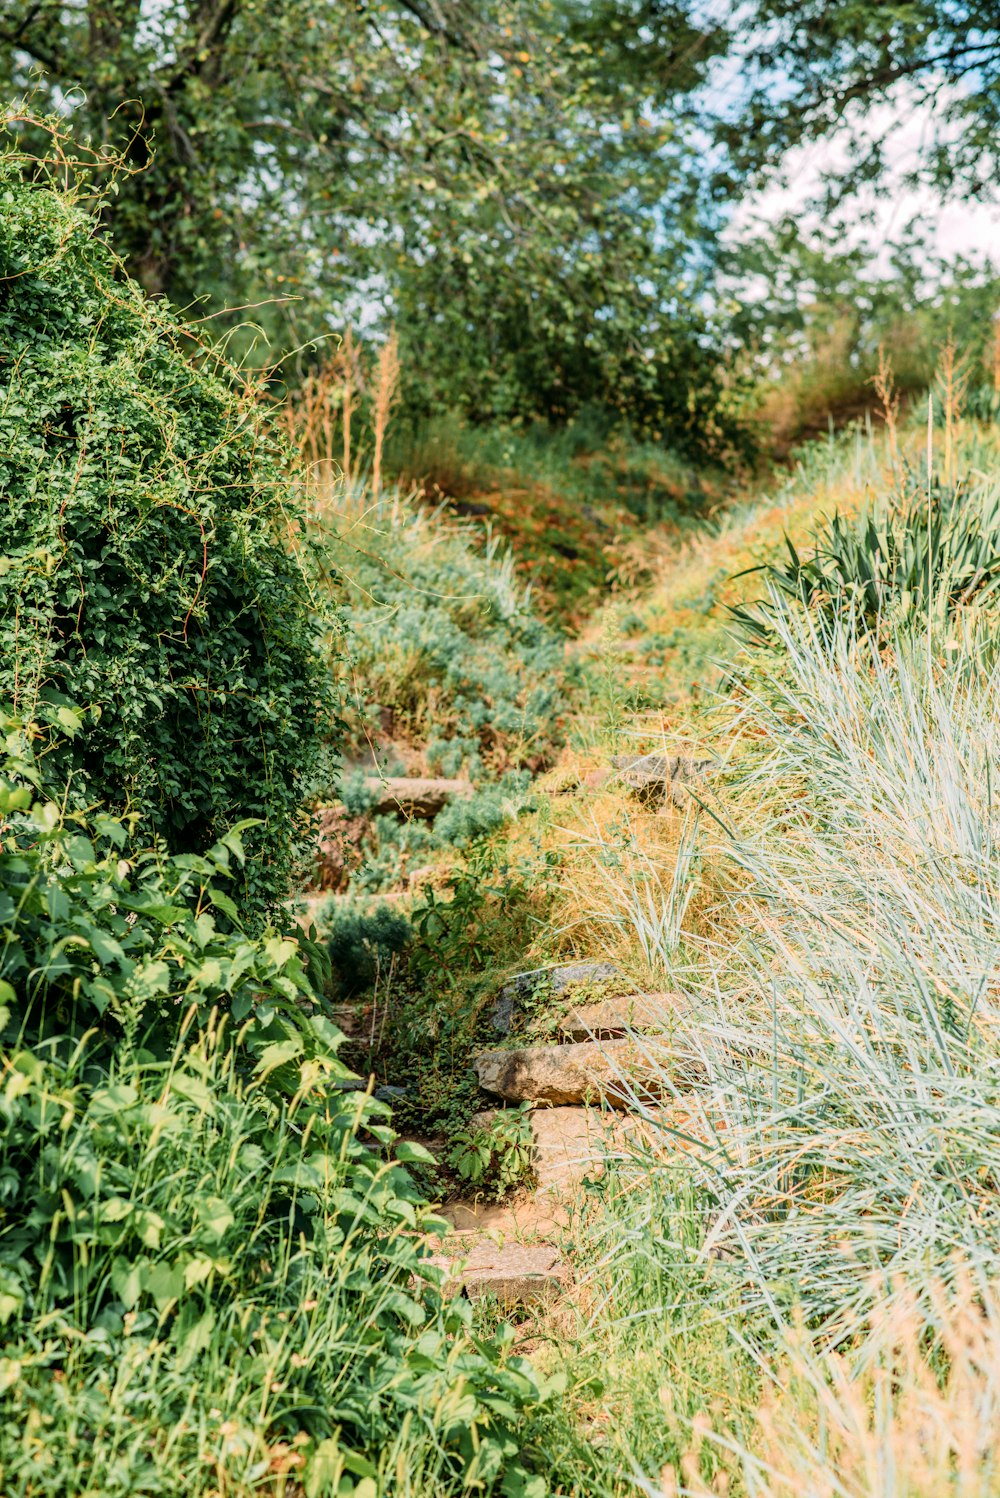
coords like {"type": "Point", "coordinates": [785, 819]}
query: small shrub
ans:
{"type": "Point", "coordinates": [363, 944]}
{"type": "Point", "coordinates": [497, 1156]}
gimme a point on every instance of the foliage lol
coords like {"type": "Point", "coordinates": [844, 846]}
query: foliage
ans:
{"type": "Point", "coordinates": [515, 183]}
{"type": "Point", "coordinates": [496, 1155]}
{"type": "Point", "coordinates": [93, 937]}
{"type": "Point", "coordinates": [444, 644]}
{"type": "Point", "coordinates": [814, 319]}
{"type": "Point", "coordinates": [465, 937]}
{"type": "Point", "coordinates": [199, 1288]}
{"type": "Point", "coordinates": [208, 1254]}
{"type": "Point", "coordinates": [893, 563]}
{"type": "Point", "coordinates": [363, 943]}
{"type": "Point", "coordinates": [811, 69]}
{"type": "Point", "coordinates": [149, 606]}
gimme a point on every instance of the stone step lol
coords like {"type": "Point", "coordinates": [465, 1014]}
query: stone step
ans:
{"type": "Point", "coordinates": [412, 796]}
{"type": "Point", "coordinates": [659, 777]}
{"type": "Point", "coordinates": [618, 1016]}
{"type": "Point", "coordinates": [589, 1071]}
{"type": "Point", "coordinates": [569, 1144]}
{"type": "Point", "coordinates": [550, 981]}
{"type": "Point", "coordinates": [514, 1273]}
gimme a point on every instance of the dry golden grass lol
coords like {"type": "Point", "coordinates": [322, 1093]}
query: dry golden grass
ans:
{"type": "Point", "coordinates": [917, 1422]}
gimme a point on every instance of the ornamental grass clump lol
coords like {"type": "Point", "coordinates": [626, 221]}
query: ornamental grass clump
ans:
{"type": "Point", "coordinates": [844, 1012]}
{"type": "Point", "coordinates": [934, 546]}
{"type": "Point", "coordinates": [147, 591]}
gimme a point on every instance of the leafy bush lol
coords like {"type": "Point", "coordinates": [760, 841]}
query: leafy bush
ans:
{"type": "Point", "coordinates": [147, 590]}
{"type": "Point", "coordinates": [893, 561]}
{"type": "Point", "coordinates": [211, 1261]}
{"type": "Point", "coordinates": [93, 938]}
{"type": "Point", "coordinates": [200, 1290]}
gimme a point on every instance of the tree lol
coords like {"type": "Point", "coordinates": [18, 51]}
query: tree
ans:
{"type": "Point", "coordinates": [515, 183]}
{"type": "Point", "coordinates": [820, 65]}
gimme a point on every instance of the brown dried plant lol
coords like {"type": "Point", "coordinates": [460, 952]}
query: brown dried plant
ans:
{"type": "Point", "coordinates": [386, 396]}
{"type": "Point", "coordinates": [884, 382]}
{"type": "Point", "coordinates": [952, 381]}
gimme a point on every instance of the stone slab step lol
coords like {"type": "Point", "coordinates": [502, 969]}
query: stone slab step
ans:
{"type": "Point", "coordinates": [658, 777]}
{"type": "Point", "coordinates": [553, 981]}
{"type": "Point", "coordinates": [569, 1145]}
{"type": "Point", "coordinates": [589, 1071]}
{"type": "Point", "coordinates": [515, 1273]}
{"type": "Point", "coordinates": [413, 796]}
{"type": "Point", "coordinates": [611, 1017]}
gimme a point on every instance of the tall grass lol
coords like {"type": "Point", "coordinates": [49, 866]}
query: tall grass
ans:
{"type": "Point", "coordinates": [841, 1157]}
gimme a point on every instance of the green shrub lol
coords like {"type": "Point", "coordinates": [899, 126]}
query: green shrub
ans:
{"type": "Point", "coordinates": [211, 1255]}
{"type": "Point", "coordinates": [362, 944]}
{"type": "Point", "coordinates": [147, 589]}
{"type": "Point", "coordinates": [197, 1286]}
{"type": "Point", "coordinates": [93, 938]}
{"type": "Point", "coordinates": [895, 560]}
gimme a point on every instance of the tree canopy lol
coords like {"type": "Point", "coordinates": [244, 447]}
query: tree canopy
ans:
{"type": "Point", "coordinates": [817, 66]}
{"type": "Point", "coordinates": [516, 184]}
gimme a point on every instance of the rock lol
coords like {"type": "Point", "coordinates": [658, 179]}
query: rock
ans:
{"type": "Point", "coordinates": [570, 1143]}
{"type": "Point", "coordinates": [389, 1094]}
{"type": "Point", "coordinates": [636, 1011]}
{"type": "Point", "coordinates": [515, 1273]}
{"type": "Point", "coordinates": [563, 1074]}
{"type": "Point", "coordinates": [595, 779]}
{"type": "Point", "coordinates": [658, 777]}
{"type": "Point", "coordinates": [409, 796]}
{"type": "Point", "coordinates": [550, 980]}
{"type": "Point", "coordinates": [354, 1020]}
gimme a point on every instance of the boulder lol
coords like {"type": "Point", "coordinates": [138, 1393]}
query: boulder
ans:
{"type": "Point", "coordinates": [413, 797]}
{"type": "Point", "coordinates": [618, 1016]}
{"type": "Point", "coordinates": [593, 1071]}
{"type": "Point", "coordinates": [550, 980]}
{"type": "Point", "coordinates": [570, 1143]}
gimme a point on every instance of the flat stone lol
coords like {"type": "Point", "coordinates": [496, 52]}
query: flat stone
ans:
{"type": "Point", "coordinates": [354, 1020]}
{"type": "Point", "coordinates": [549, 980]}
{"type": "Point", "coordinates": [567, 1143]}
{"type": "Point", "coordinates": [515, 1273]}
{"type": "Point", "coordinates": [412, 796]}
{"type": "Point", "coordinates": [563, 1074]}
{"type": "Point", "coordinates": [618, 1016]}
{"type": "Point", "coordinates": [658, 777]}
{"type": "Point", "coordinates": [570, 1144]}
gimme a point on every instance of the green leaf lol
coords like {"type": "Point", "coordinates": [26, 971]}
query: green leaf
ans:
{"type": "Point", "coordinates": [412, 1153]}
{"type": "Point", "coordinates": [215, 1215]}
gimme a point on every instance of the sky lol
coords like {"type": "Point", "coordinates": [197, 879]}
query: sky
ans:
{"type": "Point", "coordinates": [955, 227]}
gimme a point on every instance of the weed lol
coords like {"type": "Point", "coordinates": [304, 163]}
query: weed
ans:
{"type": "Point", "coordinates": [496, 1156]}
